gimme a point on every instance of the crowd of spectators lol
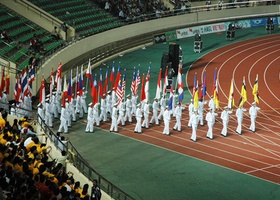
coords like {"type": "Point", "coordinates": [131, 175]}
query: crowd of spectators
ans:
{"type": "Point", "coordinates": [28, 173]}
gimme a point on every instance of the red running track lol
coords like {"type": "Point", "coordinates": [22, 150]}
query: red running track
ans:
{"type": "Point", "coordinates": [256, 154]}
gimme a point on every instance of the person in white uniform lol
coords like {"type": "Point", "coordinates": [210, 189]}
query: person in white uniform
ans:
{"type": "Point", "coordinates": [114, 124]}
{"type": "Point", "coordinates": [201, 104]}
{"type": "Point", "coordinates": [162, 104]}
{"type": "Point", "coordinates": [178, 115]}
{"type": "Point", "coordinates": [253, 112]}
{"type": "Point", "coordinates": [79, 108]}
{"type": "Point", "coordinates": [48, 114]}
{"type": "Point", "coordinates": [210, 118]}
{"type": "Point", "coordinates": [138, 115]}
{"type": "Point", "coordinates": [225, 118]}
{"type": "Point", "coordinates": [146, 112]}
{"type": "Point", "coordinates": [128, 109]}
{"type": "Point", "coordinates": [63, 120]}
{"type": "Point", "coordinates": [194, 122]}
{"type": "Point", "coordinates": [103, 108]}
{"type": "Point", "coordinates": [109, 102]}
{"type": "Point", "coordinates": [83, 101]}
{"type": "Point", "coordinates": [95, 112]}
{"type": "Point", "coordinates": [239, 116]}
{"type": "Point", "coordinates": [121, 108]}
{"type": "Point", "coordinates": [89, 127]}
{"type": "Point", "coordinates": [191, 111]}
{"type": "Point", "coordinates": [41, 114]}
{"type": "Point", "coordinates": [154, 118]}
{"type": "Point", "coordinates": [211, 104]}
{"type": "Point", "coordinates": [166, 119]}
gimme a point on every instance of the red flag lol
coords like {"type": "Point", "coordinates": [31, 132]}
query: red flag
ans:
{"type": "Point", "coordinates": [94, 92]}
{"type": "Point", "coordinates": [143, 95]}
{"type": "Point", "coordinates": [58, 78]}
{"type": "Point", "coordinates": [42, 96]}
{"type": "Point", "coordinates": [8, 81]}
{"type": "Point", "coordinates": [51, 81]}
{"type": "Point", "coordinates": [112, 74]}
{"type": "Point", "coordinates": [106, 82]}
{"type": "Point", "coordinates": [159, 86]}
{"type": "Point", "coordinates": [65, 92]}
{"type": "Point", "coordinates": [165, 81]}
{"type": "Point", "coordinates": [100, 84]}
{"type": "Point", "coordinates": [118, 77]}
{"type": "Point", "coordinates": [89, 73]}
{"type": "Point", "coordinates": [2, 86]}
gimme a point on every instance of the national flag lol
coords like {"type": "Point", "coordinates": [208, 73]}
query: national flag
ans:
{"type": "Point", "coordinates": [147, 85]}
{"type": "Point", "coordinates": [100, 84]}
{"type": "Point", "coordinates": [195, 97]}
{"type": "Point", "coordinates": [51, 82]}
{"type": "Point", "coordinates": [124, 82]}
{"type": "Point", "coordinates": [42, 96]}
{"type": "Point", "coordinates": [159, 85]}
{"type": "Point", "coordinates": [118, 77]}
{"type": "Point", "coordinates": [119, 92]}
{"type": "Point", "coordinates": [171, 94]}
{"type": "Point", "coordinates": [138, 80]}
{"type": "Point", "coordinates": [231, 95]}
{"type": "Point", "coordinates": [256, 90]}
{"type": "Point", "coordinates": [106, 82]}
{"type": "Point", "coordinates": [17, 90]}
{"type": "Point", "coordinates": [94, 91]}
{"type": "Point", "coordinates": [180, 83]}
{"type": "Point", "coordinates": [112, 75]}
{"type": "Point", "coordinates": [7, 81]}
{"type": "Point", "coordinates": [81, 82]}
{"type": "Point", "coordinates": [89, 73]}
{"type": "Point", "coordinates": [194, 84]}
{"type": "Point", "coordinates": [203, 87]}
{"type": "Point", "coordinates": [65, 92]}
{"type": "Point", "coordinates": [133, 82]}
{"type": "Point", "coordinates": [215, 90]}
{"type": "Point", "coordinates": [165, 83]}
{"type": "Point", "coordinates": [58, 78]}
{"type": "Point", "coordinates": [3, 82]}
{"type": "Point", "coordinates": [24, 82]}
{"type": "Point", "coordinates": [243, 94]}
{"type": "Point", "coordinates": [31, 74]}
{"type": "Point", "coordinates": [143, 95]}
{"type": "Point", "coordinates": [70, 88]}
{"type": "Point", "coordinates": [77, 81]}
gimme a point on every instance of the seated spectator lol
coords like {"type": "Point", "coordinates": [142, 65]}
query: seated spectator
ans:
{"type": "Point", "coordinates": [36, 45]}
{"type": "Point", "coordinates": [55, 33]}
{"type": "Point", "coordinates": [107, 6]}
{"type": "Point", "coordinates": [5, 36]}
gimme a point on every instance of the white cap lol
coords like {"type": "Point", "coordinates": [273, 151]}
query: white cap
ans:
{"type": "Point", "coordinates": [226, 107]}
{"type": "Point", "coordinates": [90, 104]}
{"type": "Point", "coordinates": [139, 104]}
{"type": "Point", "coordinates": [39, 104]}
{"type": "Point", "coordinates": [166, 106]}
{"type": "Point", "coordinates": [115, 104]}
{"type": "Point", "coordinates": [254, 103]}
{"type": "Point", "coordinates": [48, 95]}
{"type": "Point", "coordinates": [128, 95]}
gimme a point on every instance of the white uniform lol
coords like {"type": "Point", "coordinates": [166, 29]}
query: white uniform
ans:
{"type": "Point", "coordinates": [194, 122]}
{"type": "Point", "coordinates": [191, 111]}
{"type": "Point", "coordinates": [63, 121]}
{"type": "Point", "coordinates": [79, 108]}
{"type": "Point", "coordinates": [239, 115]}
{"type": "Point", "coordinates": [211, 104]}
{"type": "Point", "coordinates": [162, 104]}
{"type": "Point", "coordinates": [90, 120]}
{"type": "Point", "coordinates": [114, 125]}
{"type": "Point", "coordinates": [41, 115]}
{"type": "Point", "coordinates": [48, 115]}
{"type": "Point", "coordinates": [134, 103]}
{"type": "Point", "coordinates": [154, 118]}
{"type": "Point", "coordinates": [128, 108]}
{"type": "Point", "coordinates": [178, 115]}
{"type": "Point", "coordinates": [253, 111]}
{"type": "Point", "coordinates": [121, 109]}
{"type": "Point", "coordinates": [166, 119]}
{"type": "Point", "coordinates": [146, 112]}
{"type": "Point", "coordinates": [83, 102]}
{"type": "Point", "coordinates": [109, 103]}
{"type": "Point", "coordinates": [72, 111]}
{"type": "Point", "coordinates": [225, 118]}
{"type": "Point", "coordinates": [138, 115]}
{"type": "Point", "coordinates": [54, 108]}
{"type": "Point", "coordinates": [201, 112]}
{"type": "Point", "coordinates": [210, 118]}
{"type": "Point", "coordinates": [103, 113]}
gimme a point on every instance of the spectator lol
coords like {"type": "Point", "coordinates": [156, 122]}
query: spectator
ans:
{"type": "Point", "coordinates": [5, 36]}
{"type": "Point", "coordinates": [208, 5]}
{"type": "Point", "coordinates": [64, 28]}
{"type": "Point", "coordinates": [95, 191]}
{"type": "Point", "coordinates": [36, 45]}
{"type": "Point", "coordinates": [55, 34]}
{"type": "Point", "coordinates": [107, 6]}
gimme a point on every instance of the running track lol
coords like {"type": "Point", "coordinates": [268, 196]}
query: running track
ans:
{"type": "Point", "coordinates": [256, 154]}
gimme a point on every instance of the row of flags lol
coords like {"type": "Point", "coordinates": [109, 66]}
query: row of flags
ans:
{"type": "Point", "coordinates": [100, 86]}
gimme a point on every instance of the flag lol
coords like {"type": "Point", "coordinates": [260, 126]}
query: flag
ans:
{"type": "Point", "coordinates": [133, 82]}
{"type": "Point", "coordinates": [147, 85]}
{"type": "Point", "coordinates": [89, 73]}
{"type": "Point", "coordinates": [31, 74]}
{"type": "Point", "coordinates": [243, 93]}
{"type": "Point", "coordinates": [24, 83]}
{"type": "Point", "coordinates": [138, 80]}
{"type": "Point", "coordinates": [58, 78]}
{"type": "Point", "coordinates": [119, 92]}
{"type": "Point", "coordinates": [65, 92]}
{"type": "Point", "coordinates": [106, 82]}
{"type": "Point", "coordinates": [7, 84]}
{"type": "Point", "coordinates": [118, 77]}
{"type": "Point", "coordinates": [124, 82]}
{"type": "Point", "coordinates": [77, 81]}
{"type": "Point", "coordinates": [215, 90]}
{"type": "Point", "coordinates": [70, 88]}
{"type": "Point", "coordinates": [171, 94]}
{"type": "Point", "coordinates": [194, 85]}
{"type": "Point", "coordinates": [231, 97]}
{"type": "Point", "coordinates": [256, 90]}
{"type": "Point", "coordinates": [159, 86]}
{"type": "Point", "coordinates": [100, 84]}
{"type": "Point", "coordinates": [3, 82]}
{"type": "Point", "coordinates": [17, 90]}
{"type": "Point", "coordinates": [42, 96]}
{"type": "Point", "coordinates": [81, 82]}
{"type": "Point", "coordinates": [195, 97]}
{"type": "Point", "coordinates": [165, 83]}
{"type": "Point", "coordinates": [143, 97]}
{"type": "Point", "coordinates": [203, 87]}
{"type": "Point", "coordinates": [112, 75]}
{"type": "Point", "coordinates": [51, 82]}
{"type": "Point", "coordinates": [180, 83]}
{"type": "Point", "coordinates": [94, 91]}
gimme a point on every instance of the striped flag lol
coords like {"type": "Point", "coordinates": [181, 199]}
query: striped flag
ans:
{"type": "Point", "coordinates": [16, 94]}
{"type": "Point", "coordinates": [89, 73]}
{"type": "Point", "coordinates": [118, 77]}
{"type": "Point", "coordinates": [147, 85]}
{"type": "Point", "coordinates": [81, 82]}
{"type": "Point", "coordinates": [243, 94]}
{"type": "Point", "coordinates": [119, 92]}
{"type": "Point", "coordinates": [138, 80]}
{"type": "Point", "coordinates": [256, 90]}
{"type": "Point", "coordinates": [58, 78]}
{"type": "Point", "coordinates": [171, 94]}
{"type": "Point", "coordinates": [180, 83]}
{"type": "Point", "coordinates": [159, 85]}
{"type": "Point", "coordinates": [106, 82]}
{"type": "Point", "coordinates": [165, 83]}
{"type": "Point", "coordinates": [24, 82]}
{"type": "Point", "coordinates": [42, 96]}
{"type": "Point", "coordinates": [215, 90]}
{"type": "Point", "coordinates": [133, 82]}
{"type": "Point", "coordinates": [203, 87]}
{"type": "Point", "coordinates": [124, 82]}
{"type": "Point", "coordinates": [231, 95]}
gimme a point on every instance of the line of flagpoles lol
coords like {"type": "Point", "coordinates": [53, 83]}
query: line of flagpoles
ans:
{"type": "Point", "coordinates": [117, 82]}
